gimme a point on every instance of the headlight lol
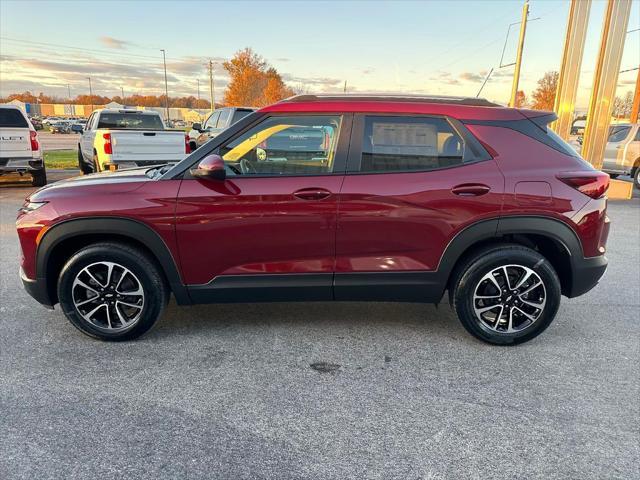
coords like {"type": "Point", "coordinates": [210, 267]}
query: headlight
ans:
{"type": "Point", "coordinates": [31, 206]}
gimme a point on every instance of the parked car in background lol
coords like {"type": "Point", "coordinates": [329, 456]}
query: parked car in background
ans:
{"type": "Point", "coordinates": [60, 127]}
{"type": "Point", "coordinates": [332, 198]}
{"type": "Point", "coordinates": [20, 150]}
{"type": "Point", "coordinates": [36, 122]}
{"type": "Point", "coordinates": [622, 153]}
{"type": "Point", "coordinates": [50, 120]}
{"type": "Point", "coordinates": [78, 126]}
{"type": "Point", "coordinates": [216, 122]}
{"type": "Point", "coordinates": [119, 138]}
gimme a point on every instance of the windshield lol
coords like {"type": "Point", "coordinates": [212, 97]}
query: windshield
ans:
{"type": "Point", "coordinates": [123, 121]}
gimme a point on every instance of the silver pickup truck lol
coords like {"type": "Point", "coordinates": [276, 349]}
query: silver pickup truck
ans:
{"type": "Point", "coordinates": [20, 151]}
{"type": "Point", "coordinates": [121, 138]}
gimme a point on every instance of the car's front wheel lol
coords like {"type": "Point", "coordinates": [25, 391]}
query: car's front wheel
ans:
{"type": "Point", "coordinates": [506, 295]}
{"type": "Point", "coordinates": [82, 165]}
{"type": "Point", "coordinates": [112, 291]}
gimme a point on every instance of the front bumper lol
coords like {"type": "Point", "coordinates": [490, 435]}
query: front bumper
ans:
{"type": "Point", "coordinates": [586, 274]}
{"type": "Point", "coordinates": [37, 289]}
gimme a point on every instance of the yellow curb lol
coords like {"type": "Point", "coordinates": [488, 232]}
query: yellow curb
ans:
{"type": "Point", "coordinates": [620, 190]}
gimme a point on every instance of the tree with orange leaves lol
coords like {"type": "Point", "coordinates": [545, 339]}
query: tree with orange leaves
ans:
{"type": "Point", "coordinates": [253, 81]}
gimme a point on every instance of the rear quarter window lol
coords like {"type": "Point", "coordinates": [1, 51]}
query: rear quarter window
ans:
{"type": "Point", "coordinates": [12, 118]}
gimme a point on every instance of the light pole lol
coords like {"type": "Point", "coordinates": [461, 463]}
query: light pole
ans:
{"type": "Point", "coordinates": [122, 94]}
{"type": "Point", "coordinates": [90, 93]}
{"type": "Point", "coordinates": [166, 88]}
{"type": "Point", "coordinates": [69, 91]}
{"type": "Point", "coordinates": [211, 87]}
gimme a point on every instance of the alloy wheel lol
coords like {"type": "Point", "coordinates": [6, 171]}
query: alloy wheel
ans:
{"type": "Point", "coordinates": [509, 299]}
{"type": "Point", "coordinates": [108, 296]}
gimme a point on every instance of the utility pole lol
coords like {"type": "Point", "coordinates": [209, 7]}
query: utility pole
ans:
{"type": "Point", "coordinates": [344, 90]}
{"type": "Point", "coordinates": [198, 80]}
{"type": "Point", "coordinates": [90, 93]}
{"type": "Point", "coordinates": [211, 88]}
{"type": "Point", "coordinates": [166, 88]}
{"type": "Point", "coordinates": [516, 73]}
{"type": "Point", "coordinates": [122, 93]}
{"type": "Point", "coordinates": [69, 91]}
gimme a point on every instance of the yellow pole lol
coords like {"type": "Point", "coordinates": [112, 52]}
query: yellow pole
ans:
{"type": "Point", "coordinates": [516, 73]}
{"type": "Point", "coordinates": [570, 69]}
{"type": "Point", "coordinates": [636, 101]}
{"type": "Point", "coordinates": [605, 80]}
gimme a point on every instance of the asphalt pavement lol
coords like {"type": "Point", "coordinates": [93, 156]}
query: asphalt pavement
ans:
{"type": "Point", "coordinates": [323, 391]}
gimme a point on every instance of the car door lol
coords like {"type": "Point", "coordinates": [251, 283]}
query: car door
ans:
{"type": "Point", "coordinates": [614, 150]}
{"type": "Point", "coordinates": [412, 183]}
{"type": "Point", "coordinates": [86, 140]}
{"type": "Point", "coordinates": [267, 232]}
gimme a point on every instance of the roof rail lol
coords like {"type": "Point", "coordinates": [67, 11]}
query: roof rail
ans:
{"type": "Point", "coordinates": [471, 101]}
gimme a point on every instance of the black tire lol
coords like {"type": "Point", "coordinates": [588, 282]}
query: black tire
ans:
{"type": "Point", "coordinates": [469, 274]}
{"type": "Point", "coordinates": [82, 165]}
{"type": "Point", "coordinates": [96, 162]}
{"type": "Point", "coordinates": [636, 177]}
{"type": "Point", "coordinates": [146, 271]}
{"type": "Point", "coordinates": [39, 177]}
{"type": "Point", "coordinates": [614, 175]}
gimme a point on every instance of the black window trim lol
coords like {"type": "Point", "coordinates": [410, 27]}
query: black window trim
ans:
{"type": "Point", "coordinates": [181, 170]}
{"type": "Point", "coordinates": [479, 153]}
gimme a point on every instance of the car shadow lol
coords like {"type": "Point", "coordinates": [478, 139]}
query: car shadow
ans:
{"type": "Point", "coordinates": [216, 319]}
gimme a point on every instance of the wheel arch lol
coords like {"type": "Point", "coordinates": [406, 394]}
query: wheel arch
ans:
{"type": "Point", "coordinates": [552, 238]}
{"type": "Point", "coordinates": [65, 238]}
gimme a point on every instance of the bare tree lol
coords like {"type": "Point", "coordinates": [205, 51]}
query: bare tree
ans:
{"type": "Point", "coordinates": [622, 105]}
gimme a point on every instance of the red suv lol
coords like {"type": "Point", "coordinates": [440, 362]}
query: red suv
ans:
{"type": "Point", "coordinates": [332, 198]}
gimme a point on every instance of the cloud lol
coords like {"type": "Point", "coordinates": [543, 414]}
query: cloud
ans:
{"type": "Point", "coordinates": [282, 59]}
{"type": "Point", "coordinates": [471, 77]}
{"type": "Point", "coordinates": [114, 43]}
{"type": "Point", "coordinates": [313, 81]}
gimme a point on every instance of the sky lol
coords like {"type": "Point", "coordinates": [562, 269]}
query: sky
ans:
{"type": "Point", "coordinates": [434, 47]}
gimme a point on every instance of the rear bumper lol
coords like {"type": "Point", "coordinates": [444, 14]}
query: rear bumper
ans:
{"type": "Point", "coordinates": [20, 165]}
{"type": "Point", "coordinates": [586, 273]}
{"type": "Point", "coordinates": [37, 289]}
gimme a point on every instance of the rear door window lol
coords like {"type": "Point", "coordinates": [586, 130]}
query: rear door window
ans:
{"type": "Point", "coordinates": [405, 144]}
{"type": "Point", "coordinates": [12, 118]}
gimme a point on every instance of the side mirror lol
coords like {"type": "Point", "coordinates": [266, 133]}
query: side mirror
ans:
{"type": "Point", "coordinates": [210, 167]}
{"type": "Point", "coordinates": [197, 126]}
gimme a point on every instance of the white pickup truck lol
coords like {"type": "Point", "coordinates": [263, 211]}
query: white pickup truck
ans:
{"type": "Point", "coordinates": [20, 150]}
{"type": "Point", "coordinates": [121, 138]}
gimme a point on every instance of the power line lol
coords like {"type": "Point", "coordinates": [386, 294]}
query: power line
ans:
{"type": "Point", "coordinates": [83, 49]}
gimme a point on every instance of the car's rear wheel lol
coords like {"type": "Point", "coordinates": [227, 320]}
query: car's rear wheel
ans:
{"type": "Point", "coordinates": [39, 177]}
{"type": "Point", "coordinates": [636, 176]}
{"type": "Point", "coordinates": [82, 165]}
{"type": "Point", "coordinates": [506, 295]}
{"type": "Point", "coordinates": [112, 291]}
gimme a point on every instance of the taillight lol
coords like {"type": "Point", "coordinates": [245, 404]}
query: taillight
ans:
{"type": "Point", "coordinates": [187, 145]}
{"type": "Point", "coordinates": [107, 143]}
{"type": "Point", "coordinates": [33, 136]}
{"type": "Point", "coordinates": [594, 184]}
